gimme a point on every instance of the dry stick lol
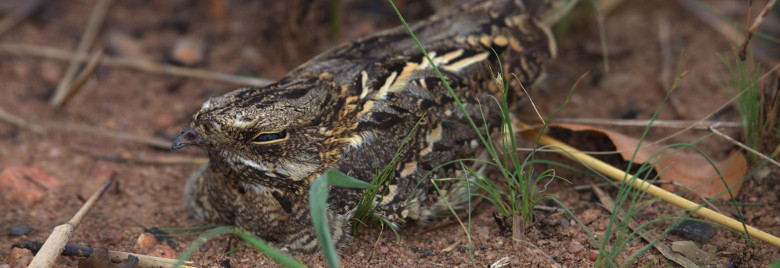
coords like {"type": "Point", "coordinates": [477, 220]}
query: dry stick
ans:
{"type": "Point", "coordinates": [140, 65]}
{"type": "Point", "coordinates": [116, 256]}
{"type": "Point", "coordinates": [695, 124]}
{"type": "Point", "coordinates": [667, 64]}
{"type": "Point", "coordinates": [152, 141]}
{"type": "Point", "coordinates": [42, 126]}
{"type": "Point", "coordinates": [17, 15]}
{"type": "Point", "coordinates": [59, 237]}
{"type": "Point", "coordinates": [83, 77]}
{"type": "Point", "coordinates": [609, 204]}
{"type": "Point", "coordinates": [721, 26]}
{"type": "Point", "coordinates": [753, 28]}
{"type": "Point", "coordinates": [21, 122]}
{"type": "Point", "coordinates": [158, 160]}
{"type": "Point", "coordinates": [743, 146]}
{"type": "Point", "coordinates": [90, 32]}
{"type": "Point", "coordinates": [621, 176]}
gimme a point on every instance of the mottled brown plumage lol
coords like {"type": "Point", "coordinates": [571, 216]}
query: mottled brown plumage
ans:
{"type": "Point", "coordinates": [349, 109]}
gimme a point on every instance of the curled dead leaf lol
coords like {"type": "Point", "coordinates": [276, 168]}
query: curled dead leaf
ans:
{"type": "Point", "coordinates": [691, 170]}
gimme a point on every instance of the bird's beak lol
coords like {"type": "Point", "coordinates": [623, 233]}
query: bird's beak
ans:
{"type": "Point", "coordinates": [189, 136]}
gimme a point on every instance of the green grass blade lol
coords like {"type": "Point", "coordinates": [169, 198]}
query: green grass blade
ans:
{"type": "Point", "coordinates": [318, 202]}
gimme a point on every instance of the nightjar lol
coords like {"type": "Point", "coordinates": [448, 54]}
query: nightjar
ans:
{"type": "Point", "coordinates": [351, 107]}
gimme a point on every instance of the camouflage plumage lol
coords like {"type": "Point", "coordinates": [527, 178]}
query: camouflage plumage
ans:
{"type": "Point", "coordinates": [349, 109]}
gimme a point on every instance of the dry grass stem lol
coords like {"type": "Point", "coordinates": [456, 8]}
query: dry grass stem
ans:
{"type": "Point", "coordinates": [90, 33]}
{"type": "Point", "coordinates": [85, 74]}
{"type": "Point", "coordinates": [609, 204]}
{"type": "Point", "coordinates": [752, 30]}
{"type": "Point", "coordinates": [154, 160]}
{"type": "Point", "coordinates": [667, 65]}
{"type": "Point", "coordinates": [140, 65]}
{"type": "Point", "coordinates": [115, 256]}
{"type": "Point", "coordinates": [689, 124]}
{"type": "Point", "coordinates": [743, 146]}
{"type": "Point", "coordinates": [621, 176]}
{"type": "Point", "coordinates": [724, 28]}
{"type": "Point", "coordinates": [19, 14]}
{"type": "Point", "coordinates": [455, 244]}
{"type": "Point", "coordinates": [21, 122]}
{"type": "Point", "coordinates": [42, 126]}
{"type": "Point", "coordinates": [59, 237]}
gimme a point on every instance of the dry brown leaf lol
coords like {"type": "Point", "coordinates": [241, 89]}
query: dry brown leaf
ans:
{"type": "Point", "coordinates": [691, 170]}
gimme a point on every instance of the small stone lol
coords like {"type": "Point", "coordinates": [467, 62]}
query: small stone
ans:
{"type": "Point", "coordinates": [694, 230]}
{"type": "Point", "coordinates": [20, 257]}
{"type": "Point", "coordinates": [21, 70]}
{"type": "Point", "coordinates": [690, 250]}
{"type": "Point", "coordinates": [575, 247]}
{"type": "Point", "coordinates": [26, 185]}
{"type": "Point", "coordinates": [21, 230]}
{"type": "Point", "coordinates": [164, 251]}
{"type": "Point", "coordinates": [146, 241]}
{"type": "Point", "coordinates": [589, 216]}
{"type": "Point", "coordinates": [188, 51]}
{"type": "Point", "coordinates": [126, 46]}
{"type": "Point", "coordinates": [593, 254]}
{"type": "Point", "coordinates": [51, 72]}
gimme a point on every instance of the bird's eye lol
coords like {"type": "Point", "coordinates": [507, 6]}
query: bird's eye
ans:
{"type": "Point", "coordinates": [266, 138]}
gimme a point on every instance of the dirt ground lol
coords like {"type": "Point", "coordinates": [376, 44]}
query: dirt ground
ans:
{"type": "Point", "coordinates": [268, 38]}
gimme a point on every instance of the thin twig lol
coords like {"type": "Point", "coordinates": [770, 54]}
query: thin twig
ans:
{"type": "Point", "coordinates": [140, 65]}
{"type": "Point", "coordinates": [59, 237]}
{"type": "Point", "coordinates": [667, 64]}
{"type": "Point", "coordinates": [42, 126]}
{"type": "Point", "coordinates": [718, 24]}
{"type": "Point", "coordinates": [21, 122]}
{"type": "Point", "coordinates": [743, 146]}
{"type": "Point", "coordinates": [159, 160]}
{"type": "Point", "coordinates": [692, 124]}
{"type": "Point", "coordinates": [90, 33]}
{"type": "Point", "coordinates": [115, 256]}
{"type": "Point", "coordinates": [752, 30]}
{"type": "Point", "coordinates": [620, 176]}
{"type": "Point", "coordinates": [19, 14]}
{"type": "Point", "coordinates": [609, 204]}
{"type": "Point", "coordinates": [85, 74]}
{"type": "Point", "coordinates": [152, 141]}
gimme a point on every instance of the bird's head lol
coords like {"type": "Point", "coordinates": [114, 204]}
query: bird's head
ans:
{"type": "Point", "coordinates": [267, 135]}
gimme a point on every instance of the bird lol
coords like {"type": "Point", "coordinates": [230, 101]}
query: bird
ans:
{"type": "Point", "coordinates": [352, 108]}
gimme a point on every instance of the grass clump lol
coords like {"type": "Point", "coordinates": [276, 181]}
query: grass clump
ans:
{"type": "Point", "coordinates": [518, 195]}
{"type": "Point", "coordinates": [364, 212]}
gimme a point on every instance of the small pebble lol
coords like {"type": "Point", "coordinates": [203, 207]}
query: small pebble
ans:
{"type": "Point", "coordinates": [26, 185]}
{"type": "Point", "coordinates": [20, 257]}
{"type": "Point", "coordinates": [593, 254]}
{"type": "Point", "coordinates": [51, 72]}
{"type": "Point", "coordinates": [188, 51]}
{"type": "Point", "coordinates": [575, 247]}
{"type": "Point", "coordinates": [694, 230]}
{"type": "Point", "coordinates": [690, 250]}
{"type": "Point", "coordinates": [21, 230]}
{"type": "Point", "coordinates": [164, 251]}
{"type": "Point", "coordinates": [21, 70]}
{"type": "Point", "coordinates": [126, 46]}
{"type": "Point", "coordinates": [589, 216]}
{"type": "Point", "coordinates": [146, 241]}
